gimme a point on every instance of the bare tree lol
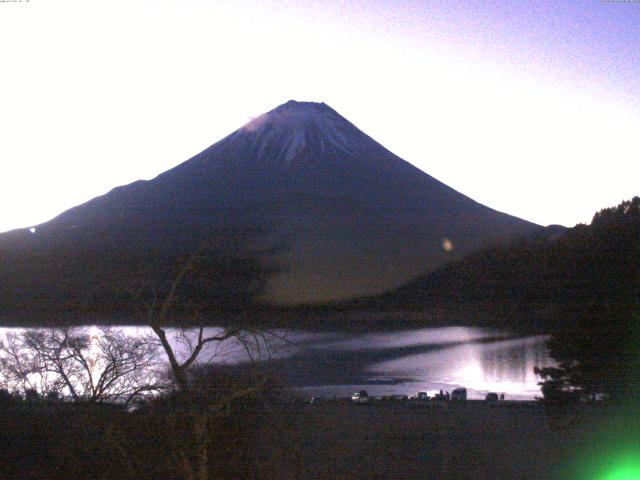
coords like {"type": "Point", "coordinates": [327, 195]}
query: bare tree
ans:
{"type": "Point", "coordinates": [177, 292]}
{"type": "Point", "coordinates": [190, 347]}
{"type": "Point", "coordinates": [106, 367]}
{"type": "Point", "coordinates": [189, 343]}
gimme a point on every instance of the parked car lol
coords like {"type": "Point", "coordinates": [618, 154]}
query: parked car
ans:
{"type": "Point", "coordinates": [360, 397]}
{"type": "Point", "coordinates": [459, 394]}
{"type": "Point", "coordinates": [491, 397]}
{"type": "Point", "coordinates": [422, 396]}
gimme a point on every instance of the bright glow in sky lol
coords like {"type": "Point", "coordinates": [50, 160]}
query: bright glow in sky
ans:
{"type": "Point", "coordinates": [529, 109]}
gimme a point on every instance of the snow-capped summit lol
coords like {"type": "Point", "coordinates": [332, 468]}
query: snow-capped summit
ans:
{"type": "Point", "coordinates": [293, 113]}
{"type": "Point", "coordinates": [351, 217]}
{"type": "Point", "coordinates": [299, 126]}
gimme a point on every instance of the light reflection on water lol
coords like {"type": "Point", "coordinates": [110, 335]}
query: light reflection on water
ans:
{"type": "Point", "coordinates": [393, 363]}
{"type": "Point", "coordinates": [500, 366]}
{"type": "Point", "coordinates": [429, 359]}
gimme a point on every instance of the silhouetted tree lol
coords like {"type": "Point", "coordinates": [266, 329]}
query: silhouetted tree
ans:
{"type": "Point", "coordinates": [107, 367]}
{"type": "Point", "coordinates": [177, 319]}
{"type": "Point", "coordinates": [557, 385]}
{"type": "Point", "coordinates": [31, 395]}
{"type": "Point", "coordinates": [180, 295]}
{"type": "Point", "coordinates": [5, 396]}
{"type": "Point", "coordinates": [595, 335]}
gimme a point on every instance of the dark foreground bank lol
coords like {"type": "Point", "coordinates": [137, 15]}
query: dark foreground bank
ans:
{"type": "Point", "coordinates": [284, 440]}
{"type": "Point", "coordinates": [396, 439]}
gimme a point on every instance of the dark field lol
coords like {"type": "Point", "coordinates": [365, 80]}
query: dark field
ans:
{"type": "Point", "coordinates": [383, 440]}
{"type": "Point", "coordinates": [470, 440]}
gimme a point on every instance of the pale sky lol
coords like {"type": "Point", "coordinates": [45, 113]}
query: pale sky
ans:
{"type": "Point", "coordinates": [531, 108]}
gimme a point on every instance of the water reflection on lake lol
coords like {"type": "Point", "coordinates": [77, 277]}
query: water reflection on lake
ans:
{"type": "Point", "coordinates": [395, 362]}
{"type": "Point", "coordinates": [499, 366]}
{"type": "Point", "coordinates": [429, 359]}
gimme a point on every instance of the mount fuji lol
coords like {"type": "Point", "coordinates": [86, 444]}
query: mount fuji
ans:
{"type": "Point", "coordinates": [349, 217]}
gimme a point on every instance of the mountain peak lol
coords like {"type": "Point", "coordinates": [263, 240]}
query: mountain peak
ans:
{"type": "Point", "coordinates": [301, 111]}
{"type": "Point", "coordinates": [296, 112]}
{"type": "Point", "coordinates": [294, 105]}
{"type": "Point", "coordinates": [340, 215]}
{"type": "Point", "coordinates": [292, 127]}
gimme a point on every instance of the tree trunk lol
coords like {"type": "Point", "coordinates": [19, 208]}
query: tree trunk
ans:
{"type": "Point", "coordinates": [201, 445]}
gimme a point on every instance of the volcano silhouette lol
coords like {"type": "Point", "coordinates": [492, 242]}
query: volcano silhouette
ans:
{"type": "Point", "coordinates": [350, 217]}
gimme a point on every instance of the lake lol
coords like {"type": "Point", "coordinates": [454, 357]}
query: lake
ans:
{"type": "Point", "coordinates": [427, 359]}
{"type": "Point", "coordinates": [395, 362]}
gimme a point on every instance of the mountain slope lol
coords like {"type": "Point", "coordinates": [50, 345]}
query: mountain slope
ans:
{"type": "Point", "coordinates": [346, 216]}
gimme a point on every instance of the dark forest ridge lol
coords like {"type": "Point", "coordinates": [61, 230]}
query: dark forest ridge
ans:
{"type": "Point", "coordinates": [339, 215]}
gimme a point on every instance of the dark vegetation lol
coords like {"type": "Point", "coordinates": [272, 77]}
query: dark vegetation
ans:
{"type": "Point", "coordinates": [45, 439]}
{"type": "Point", "coordinates": [597, 338]}
{"type": "Point", "coordinates": [263, 439]}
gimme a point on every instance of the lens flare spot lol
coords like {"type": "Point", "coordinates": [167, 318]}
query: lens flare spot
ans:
{"type": "Point", "coordinates": [625, 468]}
{"type": "Point", "coordinates": [447, 245]}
